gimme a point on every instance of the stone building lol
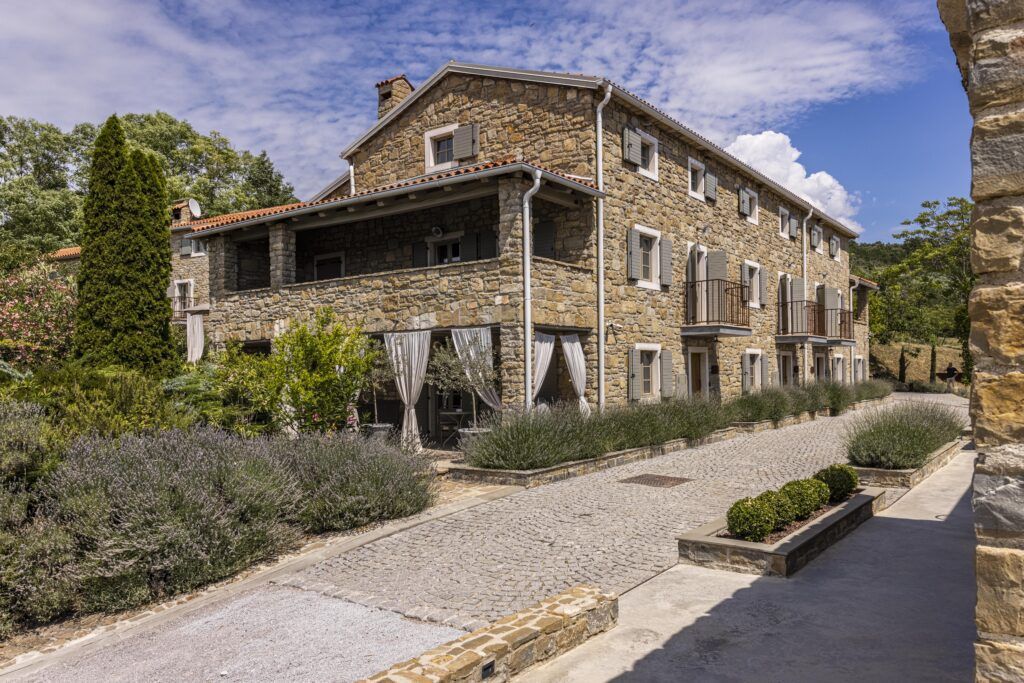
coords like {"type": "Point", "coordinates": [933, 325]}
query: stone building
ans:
{"type": "Point", "coordinates": [987, 37]}
{"type": "Point", "coordinates": [679, 269]}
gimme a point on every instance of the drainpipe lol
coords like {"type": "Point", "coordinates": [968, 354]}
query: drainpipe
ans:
{"type": "Point", "coordinates": [600, 247]}
{"type": "Point", "coordinates": [527, 289]}
{"type": "Point", "coordinates": [803, 272]}
{"type": "Point", "coordinates": [351, 177]}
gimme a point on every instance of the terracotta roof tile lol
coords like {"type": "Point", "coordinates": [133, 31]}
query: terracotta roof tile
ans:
{"type": "Point", "coordinates": [65, 254]}
{"type": "Point", "coordinates": [229, 218]}
{"type": "Point", "coordinates": [399, 77]}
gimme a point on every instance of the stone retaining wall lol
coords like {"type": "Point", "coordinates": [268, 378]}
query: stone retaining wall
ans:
{"type": "Point", "coordinates": [515, 643]}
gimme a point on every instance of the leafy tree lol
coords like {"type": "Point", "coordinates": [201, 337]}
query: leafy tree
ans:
{"type": "Point", "coordinates": [451, 374]}
{"type": "Point", "coordinates": [44, 176]}
{"type": "Point", "coordinates": [123, 317]}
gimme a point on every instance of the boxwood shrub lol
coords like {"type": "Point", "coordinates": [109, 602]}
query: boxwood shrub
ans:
{"type": "Point", "coordinates": [841, 480]}
{"type": "Point", "coordinates": [752, 519]}
{"type": "Point", "coordinates": [806, 495]}
{"type": "Point", "coordinates": [901, 437]}
{"type": "Point", "coordinates": [785, 511]}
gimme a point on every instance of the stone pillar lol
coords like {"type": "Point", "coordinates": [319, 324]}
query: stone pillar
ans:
{"type": "Point", "coordinates": [223, 265]}
{"type": "Point", "coordinates": [987, 37]}
{"type": "Point", "coordinates": [510, 259]}
{"type": "Point", "coordinates": [282, 256]}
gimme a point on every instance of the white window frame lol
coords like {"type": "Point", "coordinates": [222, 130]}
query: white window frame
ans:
{"type": "Point", "coordinates": [784, 223]}
{"type": "Point", "coordinates": [692, 166]}
{"type": "Point", "coordinates": [655, 282]}
{"type": "Point", "coordinates": [705, 385]}
{"type": "Point", "coordinates": [655, 394]}
{"type": "Point", "coordinates": [755, 205]}
{"type": "Point", "coordinates": [839, 247]}
{"type": "Point", "coordinates": [428, 148]}
{"type": "Point", "coordinates": [821, 239]}
{"type": "Point", "coordinates": [862, 375]}
{"type": "Point", "coordinates": [825, 366]}
{"type": "Point", "coordinates": [754, 301]}
{"type": "Point", "coordinates": [199, 248]}
{"type": "Point", "coordinates": [838, 363]}
{"type": "Point", "coordinates": [323, 257]}
{"type": "Point", "coordinates": [651, 172]}
{"type": "Point", "coordinates": [434, 240]}
{"type": "Point", "coordinates": [755, 368]}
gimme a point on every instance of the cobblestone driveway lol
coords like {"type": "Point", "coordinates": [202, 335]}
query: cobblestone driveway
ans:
{"type": "Point", "coordinates": [478, 565]}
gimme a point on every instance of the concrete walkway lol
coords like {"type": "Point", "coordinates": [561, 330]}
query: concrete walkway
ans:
{"type": "Point", "coordinates": [894, 601]}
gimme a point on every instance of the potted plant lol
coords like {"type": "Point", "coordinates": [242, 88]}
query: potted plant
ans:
{"type": "Point", "coordinates": [381, 374]}
{"type": "Point", "coordinates": [451, 374]}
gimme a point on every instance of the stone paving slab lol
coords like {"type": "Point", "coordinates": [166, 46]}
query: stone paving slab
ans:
{"type": "Point", "coordinates": [475, 566]}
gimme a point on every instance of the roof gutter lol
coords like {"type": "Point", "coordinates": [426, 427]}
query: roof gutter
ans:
{"type": "Point", "coordinates": [342, 202]}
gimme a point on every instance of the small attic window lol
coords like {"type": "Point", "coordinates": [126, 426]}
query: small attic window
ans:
{"type": "Point", "coordinates": [176, 214]}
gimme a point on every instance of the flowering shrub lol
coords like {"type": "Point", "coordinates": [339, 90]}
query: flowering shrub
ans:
{"type": "Point", "coordinates": [37, 307]}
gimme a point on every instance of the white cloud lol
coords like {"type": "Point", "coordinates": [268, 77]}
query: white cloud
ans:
{"type": "Point", "coordinates": [297, 78]}
{"type": "Point", "coordinates": [775, 156]}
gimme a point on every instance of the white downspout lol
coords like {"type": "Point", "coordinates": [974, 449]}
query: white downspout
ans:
{"type": "Point", "coordinates": [803, 274]}
{"type": "Point", "coordinates": [527, 289]}
{"type": "Point", "coordinates": [600, 247]}
{"type": "Point", "coordinates": [351, 177]}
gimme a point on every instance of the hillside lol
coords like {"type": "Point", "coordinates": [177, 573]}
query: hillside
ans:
{"type": "Point", "coordinates": [885, 360]}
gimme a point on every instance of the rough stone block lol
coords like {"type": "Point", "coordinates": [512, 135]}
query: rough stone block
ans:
{"type": "Point", "coordinates": [999, 495]}
{"type": "Point", "coordinates": [999, 661]}
{"type": "Point", "coordinates": [986, 14]}
{"type": "Point", "coordinates": [997, 322]}
{"type": "Point", "coordinates": [997, 155]}
{"type": "Point", "coordinates": [1000, 607]}
{"type": "Point", "coordinates": [997, 70]}
{"type": "Point", "coordinates": [998, 408]}
{"type": "Point", "coordinates": [998, 239]}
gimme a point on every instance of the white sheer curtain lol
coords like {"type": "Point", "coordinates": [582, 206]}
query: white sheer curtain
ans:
{"type": "Point", "coordinates": [409, 352]}
{"type": "Point", "coordinates": [194, 337]}
{"type": "Point", "coordinates": [474, 348]}
{"type": "Point", "coordinates": [577, 364]}
{"type": "Point", "coordinates": [543, 348]}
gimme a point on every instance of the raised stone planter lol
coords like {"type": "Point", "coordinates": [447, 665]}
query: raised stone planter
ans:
{"type": "Point", "coordinates": [513, 644]}
{"type": "Point", "coordinates": [704, 547]}
{"type": "Point", "coordinates": [545, 475]}
{"type": "Point", "coordinates": [763, 425]}
{"type": "Point", "coordinates": [908, 479]}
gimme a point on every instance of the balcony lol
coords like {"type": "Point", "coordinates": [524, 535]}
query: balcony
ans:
{"type": "Point", "coordinates": [179, 306]}
{"type": "Point", "coordinates": [801, 322]}
{"type": "Point", "coordinates": [839, 327]}
{"type": "Point", "coordinates": [715, 308]}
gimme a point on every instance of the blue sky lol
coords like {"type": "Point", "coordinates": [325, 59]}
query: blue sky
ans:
{"type": "Point", "coordinates": [855, 104]}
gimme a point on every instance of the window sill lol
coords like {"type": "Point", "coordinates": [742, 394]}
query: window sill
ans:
{"type": "Point", "coordinates": [647, 284]}
{"type": "Point", "coordinates": [647, 174]}
{"type": "Point", "coordinates": [752, 219]}
{"type": "Point", "coordinates": [699, 196]}
{"type": "Point", "coordinates": [447, 166]}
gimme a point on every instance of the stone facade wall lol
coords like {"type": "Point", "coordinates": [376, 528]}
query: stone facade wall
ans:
{"type": "Point", "coordinates": [548, 124]}
{"type": "Point", "coordinates": [515, 643]}
{"type": "Point", "coordinates": [193, 267]}
{"type": "Point", "coordinates": [987, 37]}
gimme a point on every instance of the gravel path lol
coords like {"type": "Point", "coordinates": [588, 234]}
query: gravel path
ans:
{"type": "Point", "coordinates": [273, 633]}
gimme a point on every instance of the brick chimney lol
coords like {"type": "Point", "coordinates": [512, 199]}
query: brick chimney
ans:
{"type": "Point", "coordinates": [391, 92]}
{"type": "Point", "coordinates": [181, 212]}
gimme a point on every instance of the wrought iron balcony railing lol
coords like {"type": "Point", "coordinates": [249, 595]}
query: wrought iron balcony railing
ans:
{"type": "Point", "coordinates": [716, 302]}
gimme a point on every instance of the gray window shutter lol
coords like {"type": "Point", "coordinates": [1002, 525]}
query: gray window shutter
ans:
{"type": "Point", "coordinates": [762, 285]}
{"type": "Point", "coordinates": [468, 248]}
{"type": "Point", "coordinates": [794, 226]}
{"type": "Point", "coordinates": [766, 378]}
{"type": "Point", "coordinates": [833, 246]}
{"type": "Point", "coordinates": [488, 244]}
{"type": "Point", "coordinates": [831, 297]}
{"type": "Point", "coordinates": [668, 377]}
{"type": "Point", "coordinates": [633, 256]}
{"type": "Point", "coordinates": [631, 142]}
{"type": "Point", "coordinates": [666, 262]}
{"type": "Point", "coordinates": [744, 202]}
{"type": "Point", "coordinates": [710, 186]}
{"type": "Point", "coordinates": [634, 387]}
{"type": "Point", "coordinates": [797, 293]}
{"type": "Point", "coordinates": [718, 265]}
{"type": "Point", "coordinates": [464, 141]}
{"type": "Point", "coordinates": [186, 247]}
{"type": "Point", "coordinates": [745, 275]}
{"type": "Point", "coordinates": [815, 237]}
{"type": "Point", "coordinates": [419, 254]}
{"type": "Point", "coordinates": [544, 239]}
{"type": "Point", "coordinates": [797, 289]}
{"type": "Point", "coordinates": [171, 290]}
{"type": "Point", "coordinates": [745, 364]}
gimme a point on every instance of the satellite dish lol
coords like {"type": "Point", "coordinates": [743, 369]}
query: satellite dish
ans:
{"type": "Point", "coordinates": [194, 209]}
{"type": "Point", "coordinates": [437, 231]}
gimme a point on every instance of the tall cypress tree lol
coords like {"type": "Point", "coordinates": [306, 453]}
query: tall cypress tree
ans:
{"type": "Point", "coordinates": [124, 314]}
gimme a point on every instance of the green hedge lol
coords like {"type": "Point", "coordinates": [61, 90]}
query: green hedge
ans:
{"type": "Point", "coordinates": [754, 519]}
{"type": "Point", "coordinates": [841, 481]}
{"type": "Point", "coordinates": [523, 441]}
{"type": "Point", "coordinates": [902, 437]}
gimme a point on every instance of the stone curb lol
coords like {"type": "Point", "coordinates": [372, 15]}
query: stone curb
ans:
{"type": "Point", "coordinates": [908, 479]}
{"type": "Point", "coordinates": [512, 644]}
{"type": "Point", "coordinates": [703, 547]}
